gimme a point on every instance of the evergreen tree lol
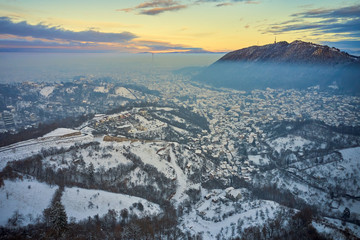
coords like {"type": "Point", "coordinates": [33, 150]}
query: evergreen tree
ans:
{"type": "Point", "coordinates": [90, 173]}
{"type": "Point", "coordinates": [131, 232]}
{"type": "Point", "coordinates": [346, 214]}
{"type": "Point", "coordinates": [124, 214]}
{"type": "Point", "coordinates": [58, 218]}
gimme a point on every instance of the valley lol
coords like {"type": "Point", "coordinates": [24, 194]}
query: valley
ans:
{"type": "Point", "coordinates": [222, 162]}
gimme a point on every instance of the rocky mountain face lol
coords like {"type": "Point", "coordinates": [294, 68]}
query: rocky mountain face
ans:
{"type": "Point", "coordinates": [296, 65]}
{"type": "Point", "coordinates": [295, 52]}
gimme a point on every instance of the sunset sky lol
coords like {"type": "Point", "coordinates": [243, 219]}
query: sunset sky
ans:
{"type": "Point", "coordinates": [174, 25]}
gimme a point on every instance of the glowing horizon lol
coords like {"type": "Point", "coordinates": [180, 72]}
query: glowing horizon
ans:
{"type": "Point", "coordinates": [175, 26]}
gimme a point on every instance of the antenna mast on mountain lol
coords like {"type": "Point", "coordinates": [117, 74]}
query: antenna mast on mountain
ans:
{"type": "Point", "coordinates": [275, 40]}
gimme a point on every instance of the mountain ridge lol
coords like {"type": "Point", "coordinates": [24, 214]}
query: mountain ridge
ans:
{"type": "Point", "coordinates": [295, 52]}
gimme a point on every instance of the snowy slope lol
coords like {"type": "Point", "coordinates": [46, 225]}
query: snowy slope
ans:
{"type": "Point", "coordinates": [31, 147]}
{"type": "Point", "coordinates": [124, 92]}
{"type": "Point", "coordinates": [148, 152]}
{"type": "Point", "coordinates": [219, 215]}
{"type": "Point", "coordinates": [60, 132]}
{"type": "Point", "coordinates": [332, 226]}
{"type": "Point", "coordinates": [29, 197]}
{"type": "Point", "coordinates": [290, 142]}
{"type": "Point", "coordinates": [334, 172]}
{"type": "Point", "coordinates": [108, 155]}
{"type": "Point", "coordinates": [82, 203]}
{"type": "Point", "coordinates": [351, 155]}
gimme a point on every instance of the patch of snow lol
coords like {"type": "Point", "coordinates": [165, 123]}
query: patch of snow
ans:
{"type": "Point", "coordinates": [180, 130]}
{"type": "Point", "coordinates": [124, 92]}
{"type": "Point", "coordinates": [101, 89]}
{"type": "Point", "coordinates": [167, 109]}
{"type": "Point", "coordinates": [258, 160]}
{"type": "Point", "coordinates": [46, 91]}
{"type": "Point", "coordinates": [316, 87]}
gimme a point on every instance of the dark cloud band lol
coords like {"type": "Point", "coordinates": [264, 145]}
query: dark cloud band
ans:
{"type": "Point", "coordinates": [344, 20]}
{"type": "Point", "coordinates": [24, 29]}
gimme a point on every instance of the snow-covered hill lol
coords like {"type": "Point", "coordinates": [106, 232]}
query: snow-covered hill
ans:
{"type": "Point", "coordinates": [154, 164]}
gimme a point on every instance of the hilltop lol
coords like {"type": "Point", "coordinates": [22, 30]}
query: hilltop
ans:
{"type": "Point", "coordinates": [295, 52]}
{"type": "Point", "coordinates": [296, 65]}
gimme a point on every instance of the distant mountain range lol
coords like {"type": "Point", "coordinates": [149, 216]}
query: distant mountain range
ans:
{"type": "Point", "coordinates": [285, 65]}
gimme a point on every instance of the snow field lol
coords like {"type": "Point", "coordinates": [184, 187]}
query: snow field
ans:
{"type": "Point", "coordinates": [351, 158]}
{"type": "Point", "coordinates": [46, 91]}
{"type": "Point", "coordinates": [258, 160]}
{"type": "Point", "coordinates": [60, 132]}
{"type": "Point", "coordinates": [32, 147]}
{"type": "Point", "coordinates": [28, 197]}
{"type": "Point", "coordinates": [147, 153]}
{"type": "Point", "coordinates": [82, 203]}
{"type": "Point", "coordinates": [124, 92]}
{"type": "Point", "coordinates": [201, 219]}
{"type": "Point", "coordinates": [179, 130]}
{"type": "Point", "coordinates": [289, 142]}
{"type": "Point", "coordinates": [331, 227]}
{"type": "Point", "coordinates": [101, 89]}
{"type": "Point", "coordinates": [108, 156]}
